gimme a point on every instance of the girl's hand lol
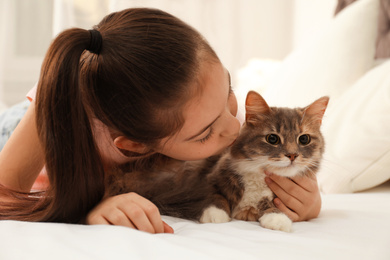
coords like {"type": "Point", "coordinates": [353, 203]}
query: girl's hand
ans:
{"type": "Point", "coordinates": [129, 210]}
{"type": "Point", "coordinates": [298, 197]}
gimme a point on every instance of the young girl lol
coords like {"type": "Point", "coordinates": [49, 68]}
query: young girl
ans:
{"type": "Point", "coordinates": [142, 83]}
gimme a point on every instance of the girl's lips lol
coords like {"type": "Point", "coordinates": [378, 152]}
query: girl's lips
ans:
{"type": "Point", "coordinates": [232, 143]}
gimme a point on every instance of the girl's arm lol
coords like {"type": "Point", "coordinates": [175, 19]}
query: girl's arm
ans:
{"type": "Point", "coordinates": [22, 157]}
{"type": "Point", "coordinates": [299, 197]}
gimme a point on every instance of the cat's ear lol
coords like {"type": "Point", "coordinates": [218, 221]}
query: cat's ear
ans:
{"type": "Point", "coordinates": [255, 105]}
{"type": "Point", "coordinates": [316, 110]}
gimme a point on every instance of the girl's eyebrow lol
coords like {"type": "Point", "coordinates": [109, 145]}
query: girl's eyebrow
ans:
{"type": "Point", "coordinates": [209, 125]}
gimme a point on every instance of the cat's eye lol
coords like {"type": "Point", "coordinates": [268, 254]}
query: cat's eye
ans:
{"type": "Point", "coordinates": [304, 139]}
{"type": "Point", "coordinates": [272, 139]}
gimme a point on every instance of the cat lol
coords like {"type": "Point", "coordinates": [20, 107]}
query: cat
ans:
{"type": "Point", "coordinates": [284, 141]}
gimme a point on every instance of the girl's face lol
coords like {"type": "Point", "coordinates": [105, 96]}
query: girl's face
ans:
{"type": "Point", "coordinates": [210, 123]}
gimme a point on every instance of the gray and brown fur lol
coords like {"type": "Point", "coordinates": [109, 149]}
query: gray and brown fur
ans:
{"type": "Point", "coordinates": [249, 198]}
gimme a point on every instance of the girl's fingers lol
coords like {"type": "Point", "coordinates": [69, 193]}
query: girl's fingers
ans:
{"type": "Point", "coordinates": [118, 217]}
{"type": "Point", "coordinates": [137, 216]}
{"type": "Point", "coordinates": [151, 212]}
{"type": "Point", "coordinates": [284, 188]}
{"type": "Point", "coordinates": [167, 228]}
{"type": "Point", "coordinates": [288, 200]}
{"type": "Point", "coordinates": [97, 220]}
{"type": "Point", "coordinates": [154, 217]}
{"type": "Point", "coordinates": [298, 197]}
{"type": "Point", "coordinates": [309, 183]}
{"type": "Point", "coordinates": [291, 214]}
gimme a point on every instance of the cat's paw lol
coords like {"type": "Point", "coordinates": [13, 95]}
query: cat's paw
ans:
{"type": "Point", "coordinates": [214, 215]}
{"type": "Point", "coordinates": [276, 221]}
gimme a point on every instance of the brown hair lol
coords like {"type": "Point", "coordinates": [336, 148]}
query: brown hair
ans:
{"type": "Point", "coordinates": [136, 86]}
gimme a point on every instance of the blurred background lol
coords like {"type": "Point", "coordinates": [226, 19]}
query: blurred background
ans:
{"type": "Point", "coordinates": [238, 30]}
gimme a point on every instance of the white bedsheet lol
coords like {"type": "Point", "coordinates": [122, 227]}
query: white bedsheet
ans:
{"type": "Point", "coordinates": [350, 226]}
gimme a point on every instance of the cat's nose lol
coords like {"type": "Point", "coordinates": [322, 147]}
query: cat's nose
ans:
{"type": "Point", "coordinates": [292, 156]}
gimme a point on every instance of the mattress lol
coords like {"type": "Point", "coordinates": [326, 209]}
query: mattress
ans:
{"type": "Point", "coordinates": [350, 226]}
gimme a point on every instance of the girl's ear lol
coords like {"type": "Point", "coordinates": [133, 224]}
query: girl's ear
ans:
{"type": "Point", "coordinates": [125, 144]}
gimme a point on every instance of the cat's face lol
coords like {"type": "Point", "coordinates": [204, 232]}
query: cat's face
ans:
{"type": "Point", "coordinates": [283, 141]}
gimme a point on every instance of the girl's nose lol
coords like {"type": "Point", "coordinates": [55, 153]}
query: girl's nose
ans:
{"type": "Point", "coordinates": [232, 126]}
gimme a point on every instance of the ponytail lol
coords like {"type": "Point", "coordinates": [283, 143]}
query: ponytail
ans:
{"type": "Point", "coordinates": [73, 163]}
{"type": "Point", "coordinates": [72, 160]}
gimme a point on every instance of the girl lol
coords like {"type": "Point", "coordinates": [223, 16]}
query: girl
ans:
{"type": "Point", "coordinates": [141, 84]}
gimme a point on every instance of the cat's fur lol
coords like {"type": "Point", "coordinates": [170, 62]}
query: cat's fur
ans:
{"type": "Point", "coordinates": [232, 185]}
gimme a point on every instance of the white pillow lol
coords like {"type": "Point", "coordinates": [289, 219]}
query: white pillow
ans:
{"type": "Point", "coordinates": [331, 62]}
{"type": "Point", "coordinates": [357, 133]}
{"type": "Point", "coordinates": [256, 75]}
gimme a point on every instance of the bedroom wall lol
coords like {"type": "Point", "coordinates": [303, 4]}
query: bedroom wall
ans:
{"type": "Point", "coordinates": [237, 29]}
{"type": "Point", "coordinates": [27, 30]}
{"type": "Point", "coordinates": [310, 16]}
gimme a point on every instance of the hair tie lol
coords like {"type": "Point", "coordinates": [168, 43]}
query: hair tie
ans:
{"type": "Point", "coordinates": [96, 42]}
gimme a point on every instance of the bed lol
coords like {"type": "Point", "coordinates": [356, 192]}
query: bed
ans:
{"type": "Point", "coordinates": [350, 226]}
{"type": "Point", "coordinates": [355, 219]}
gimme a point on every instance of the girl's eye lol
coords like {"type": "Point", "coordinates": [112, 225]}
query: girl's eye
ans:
{"type": "Point", "coordinates": [272, 139]}
{"type": "Point", "coordinates": [304, 139]}
{"type": "Point", "coordinates": [204, 139]}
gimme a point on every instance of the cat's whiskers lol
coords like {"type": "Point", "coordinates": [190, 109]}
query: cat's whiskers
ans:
{"type": "Point", "coordinates": [311, 165]}
{"type": "Point", "coordinates": [332, 165]}
{"type": "Point", "coordinates": [309, 170]}
{"type": "Point", "coordinates": [314, 163]}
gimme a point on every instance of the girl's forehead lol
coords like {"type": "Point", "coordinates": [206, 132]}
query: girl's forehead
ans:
{"type": "Point", "coordinates": [211, 74]}
{"type": "Point", "coordinates": [211, 79]}
{"type": "Point", "coordinates": [204, 108]}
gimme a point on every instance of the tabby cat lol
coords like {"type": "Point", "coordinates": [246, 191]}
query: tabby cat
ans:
{"type": "Point", "coordinates": [284, 141]}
